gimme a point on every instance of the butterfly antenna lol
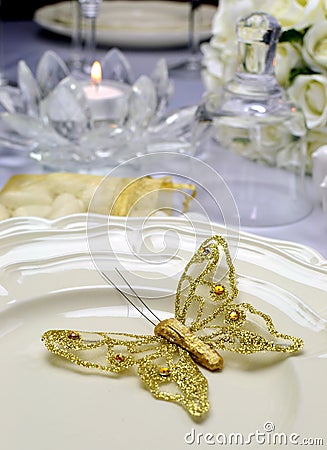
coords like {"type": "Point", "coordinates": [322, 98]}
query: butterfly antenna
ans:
{"type": "Point", "coordinates": [127, 298]}
{"type": "Point", "coordinates": [136, 294]}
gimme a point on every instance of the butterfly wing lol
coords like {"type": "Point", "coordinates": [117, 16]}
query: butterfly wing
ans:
{"type": "Point", "coordinates": [167, 371]}
{"type": "Point", "coordinates": [207, 285]}
{"type": "Point", "coordinates": [172, 375]}
{"type": "Point", "coordinates": [102, 351]}
{"type": "Point", "coordinates": [206, 301]}
{"type": "Point", "coordinates": [244, 329]}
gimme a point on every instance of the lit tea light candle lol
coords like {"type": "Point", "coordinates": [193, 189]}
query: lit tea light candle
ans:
{"type": "Point", "coordinates": [108, 100]}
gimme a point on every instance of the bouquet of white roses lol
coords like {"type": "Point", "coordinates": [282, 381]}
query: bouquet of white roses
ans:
{"type": "Point", "coordinates": [301, 62]}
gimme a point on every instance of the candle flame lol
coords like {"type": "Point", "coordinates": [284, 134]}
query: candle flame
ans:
{"type": "Point", "coordinates": [96, 73]}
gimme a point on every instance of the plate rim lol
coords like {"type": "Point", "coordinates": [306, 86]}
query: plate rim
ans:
{"type": "Point", "coordinates": [77, 222]}
{"type": "Point", "coordinates": [258, 254]}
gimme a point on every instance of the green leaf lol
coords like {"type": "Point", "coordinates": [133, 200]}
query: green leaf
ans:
{"type": "Point", "coordinates": [299, 71]}
{"type": "Point", "coordinates": [292, 36]}
{"type": "Point", "coordinates": [242, 140]}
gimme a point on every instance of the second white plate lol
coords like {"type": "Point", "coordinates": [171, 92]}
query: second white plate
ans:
{"type": "Point", "coordinates": [137, 24]}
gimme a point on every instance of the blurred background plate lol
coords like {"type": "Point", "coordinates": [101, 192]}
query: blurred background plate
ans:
{"type": "Point", "coordinates": [137, 24]}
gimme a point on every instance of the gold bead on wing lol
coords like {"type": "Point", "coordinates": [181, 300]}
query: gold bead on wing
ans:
{"type": "Point", "coordinates": [164, 372]}
{"type": "Point", "coordinates": [219, 289]}
{"type": "Point", "coordinates": [119, 357]}
{"type": "Point", "coordinates": [74, 335]}
{"type": "Point", "coordinates": [235, 316]}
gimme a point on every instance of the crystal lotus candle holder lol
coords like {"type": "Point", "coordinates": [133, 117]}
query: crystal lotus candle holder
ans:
{"type": "Point", "coordinates": [66, 123]}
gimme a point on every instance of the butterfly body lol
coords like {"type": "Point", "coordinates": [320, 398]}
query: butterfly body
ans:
{"type": "Point", "coordinates": [175, 331]}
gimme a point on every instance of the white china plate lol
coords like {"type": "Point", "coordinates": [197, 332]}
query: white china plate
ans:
{"type": "Point", "coordinates": [138, 24]}
{"type": "Point", "coordinates": [49, 281]}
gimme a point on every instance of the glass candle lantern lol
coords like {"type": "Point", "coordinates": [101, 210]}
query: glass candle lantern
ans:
{"type": "Point", "coordinates": [256, 134]}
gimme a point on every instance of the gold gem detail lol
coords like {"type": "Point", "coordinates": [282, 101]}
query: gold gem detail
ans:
{"type": "Point", "coordinates": [234, 315]}
{"type": "Point", "coordinates": [164, 371]}
{"type": "Point", "coordinates": [219, 289]}
{"type": "Point", "coordinates": [74, 335]}
{"type": "Point", "coordinates": [119, 357]}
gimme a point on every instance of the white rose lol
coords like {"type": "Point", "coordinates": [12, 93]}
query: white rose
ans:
{"type": "Point", "coordinates": [211, 83]}
{"type": "Point", "coordinates": [310, 93]}
{"type": "Point", "coordinates": [315, 46]}
{"type": "Point", "coordinates": [212, 73]}
{"type": "Point", "coordinates": [296, 14]}
{"type": "Point", "coordinates": [288, 57]}
{"type": "Point", "coordinates": [220, 63]}
{"type": "Point", "coordinates": [315, 139]}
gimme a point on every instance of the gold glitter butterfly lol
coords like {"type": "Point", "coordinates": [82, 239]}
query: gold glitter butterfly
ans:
{"type": "Point", "coordinates": [207, 319]}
